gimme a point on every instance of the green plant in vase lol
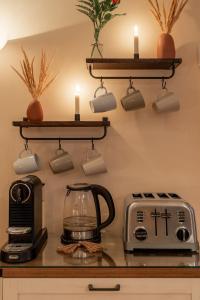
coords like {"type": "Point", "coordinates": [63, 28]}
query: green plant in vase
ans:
{"type": "Point", "coordinates": [100, 12]}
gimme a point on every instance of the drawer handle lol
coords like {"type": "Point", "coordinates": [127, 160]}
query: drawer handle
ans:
{"type": "Point", "coordinates": [91, 288]}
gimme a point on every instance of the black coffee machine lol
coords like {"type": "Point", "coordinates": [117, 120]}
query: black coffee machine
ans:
{"type": "Point", "coordinates": [25, 233]}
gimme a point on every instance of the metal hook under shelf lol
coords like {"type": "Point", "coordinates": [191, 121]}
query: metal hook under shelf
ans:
{"type": "Point", "coordinates": [26, 145]}
{"type": "Point", "coordinates": [132, 77]}
{"type": "Point", "coordinates": [92, 144]}
{"type": "Point", "coordinates": [59, 144]}
{"type": "Point", "coordinates": [164, 84]}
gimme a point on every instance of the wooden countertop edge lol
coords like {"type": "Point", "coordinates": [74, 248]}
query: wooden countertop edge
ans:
{"type": "Point", "coordinates": [101, 273]}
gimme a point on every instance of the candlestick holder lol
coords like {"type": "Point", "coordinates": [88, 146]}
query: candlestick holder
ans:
{"type": "Point", "coordinates": [136, 56]}
{"type": "Point", "coordinates": [77, 117]}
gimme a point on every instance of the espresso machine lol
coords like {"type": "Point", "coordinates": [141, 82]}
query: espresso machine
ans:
{"type": "Point", "coordinates": [25, 233]}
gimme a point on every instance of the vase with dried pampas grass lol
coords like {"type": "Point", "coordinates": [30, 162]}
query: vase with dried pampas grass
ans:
{"type": "Point", "coordinates": [166, 18]}
{"type": "Point", "coordinates": [35, 87]}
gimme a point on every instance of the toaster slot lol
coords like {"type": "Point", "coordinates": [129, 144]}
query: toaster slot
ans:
{"type": "Point", "coordinates": [162, 195]}
{"type": "Point", "coordinates": [174, 196]}
{"type": "Point", "coordinates": [137, 196]}
{"type": "Point", "coordinates": [149, 195]}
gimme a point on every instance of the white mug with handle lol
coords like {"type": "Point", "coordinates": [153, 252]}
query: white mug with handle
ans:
{"type": "Point", "coordinates": [103, 103]}
{"type": "Point", "coordinates": [166, 101]}
{"type": "Point", "coordinates": [94, 163]}
{"type": "Point", "coordinates": [27, 162]}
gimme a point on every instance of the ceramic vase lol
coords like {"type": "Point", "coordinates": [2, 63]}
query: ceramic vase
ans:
{"type": "Point", "coordinates": [34, 111]}
{"type": "Point", "coordinates": [166, 46]}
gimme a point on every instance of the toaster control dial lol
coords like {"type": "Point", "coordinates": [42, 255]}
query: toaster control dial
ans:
{"type": "Point", "coordinates": [141, 234]}
{"type": "Point", "coordinates": [183, 234]}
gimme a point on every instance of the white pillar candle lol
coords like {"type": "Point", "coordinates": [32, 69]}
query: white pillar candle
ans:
{"type": "Point", "coordinates": [136, 41]}
{"type": "Point", "coordinates": [77, 100]}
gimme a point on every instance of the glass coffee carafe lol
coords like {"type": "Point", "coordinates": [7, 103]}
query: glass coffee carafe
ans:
{"type": "Point", "coordinates": [82, 213]}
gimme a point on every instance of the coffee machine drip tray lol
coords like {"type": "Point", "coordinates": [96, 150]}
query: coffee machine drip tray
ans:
{"type": "Point", "coordinates": [23, 252]}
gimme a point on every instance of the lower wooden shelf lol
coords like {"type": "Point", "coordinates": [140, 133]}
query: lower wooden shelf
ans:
{"type": "Point", "coordinates": [63, 124]}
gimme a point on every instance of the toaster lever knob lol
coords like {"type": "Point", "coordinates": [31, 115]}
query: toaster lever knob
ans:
{"type": "Point", "coordinates": [183, 234]}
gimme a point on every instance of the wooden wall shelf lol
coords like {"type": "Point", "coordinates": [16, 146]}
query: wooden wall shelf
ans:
{"type": "Point", "coordinates": [27, 124]}
{"type": "Point", "coordinates": [63, 124]}
{"type": "Point", "coordinates": [133, 64]}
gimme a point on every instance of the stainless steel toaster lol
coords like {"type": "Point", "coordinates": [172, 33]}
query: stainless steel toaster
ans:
{"type": "Point", "coordinates": [159, 221]}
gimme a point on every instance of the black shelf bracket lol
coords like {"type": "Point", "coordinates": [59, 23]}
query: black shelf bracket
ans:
{"type": "Point", "coordinates": [104, 124]}
{"type": "Point", "coordinates": [172, 70]}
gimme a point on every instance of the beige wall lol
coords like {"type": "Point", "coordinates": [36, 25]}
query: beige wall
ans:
{"type": "Point", "coordinates": [144, 151]}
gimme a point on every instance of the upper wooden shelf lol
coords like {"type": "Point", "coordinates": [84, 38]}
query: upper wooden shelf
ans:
{"type": "Point", "coordinates": [133, 64]}
{"type": "Point", "coordinates": [104, 122]}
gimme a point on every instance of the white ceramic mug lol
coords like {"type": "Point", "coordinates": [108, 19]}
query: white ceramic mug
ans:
{"type": "Point", "coordinates": [166, 102]}
{"type": "Point", "coordinates": [94, 164]}
{"type": "Point", "coordinates": [61, 162]}
{"type": "Point", "coordinates": [133, 100]}
{"type": "Point", "coordinates": [26, 164]}
{"type": "Point", "coordinates": [103, 103]}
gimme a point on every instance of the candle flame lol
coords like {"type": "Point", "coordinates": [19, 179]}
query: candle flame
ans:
{"type": "Point", "coordinates": [77, 90]}
{"type": "Point", "coordinates": [136, 31]}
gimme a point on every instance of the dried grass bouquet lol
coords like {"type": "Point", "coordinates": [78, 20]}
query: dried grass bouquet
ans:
{"type": "Point", "coordinates": [167, 16]}
{"type": "Point", "coordinates": [27, 75]}
{"type": "Point", "coordinates": [36, 87]}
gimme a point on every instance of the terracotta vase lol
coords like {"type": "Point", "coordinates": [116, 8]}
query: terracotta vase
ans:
{"type": "Point", "coordinates": [166, 46]}
{"type": "Point", "coordinates": [34, 111]}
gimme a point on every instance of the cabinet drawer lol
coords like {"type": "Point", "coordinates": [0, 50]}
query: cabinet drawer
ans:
{"type": "Point", "coordinates": [102, 289]}
{"type": "Point", "coordinates": [103, 297]}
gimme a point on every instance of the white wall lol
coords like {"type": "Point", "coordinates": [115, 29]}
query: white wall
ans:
{"type": "Point", "coordinates": [144, 151]}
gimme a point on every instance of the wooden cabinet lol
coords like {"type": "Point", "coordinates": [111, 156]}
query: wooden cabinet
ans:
{"type": "Point", "coordinates": [77, 289]}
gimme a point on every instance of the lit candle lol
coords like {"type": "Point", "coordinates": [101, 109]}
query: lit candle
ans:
{"type": "Point", "coordinates": [77, 103]}
{"type": "Point", "coordinates": [136, 42]}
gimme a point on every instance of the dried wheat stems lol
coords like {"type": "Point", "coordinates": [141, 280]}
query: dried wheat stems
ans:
{"type": "Point", "coordinates": [27, 74]}
{"type": "Point", "coordinates": [166, 18]}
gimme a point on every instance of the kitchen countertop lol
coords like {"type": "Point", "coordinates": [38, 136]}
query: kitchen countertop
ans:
{"type": "Point", "coordinates": [112, 263]}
